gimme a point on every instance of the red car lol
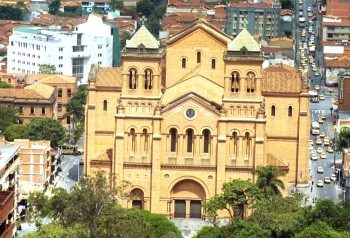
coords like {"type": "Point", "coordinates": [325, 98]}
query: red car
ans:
{"type": "Point", "coordinates": [81, 161]}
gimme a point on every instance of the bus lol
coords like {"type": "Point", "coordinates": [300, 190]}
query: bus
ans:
{"type": "Point", "coordinates": [68, 149]}
{"type": "Point", "coordinates": [302, 21]}
{"type": "Point", "coordinates": [315, 128]}
{"type": "Point", "coordinates": [314, 96]}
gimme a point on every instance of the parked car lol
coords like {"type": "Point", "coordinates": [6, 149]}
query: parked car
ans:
{"type": "Point", "coordinates": [333, 178]}
{"type": "Point", "coordinates": [81, 161]}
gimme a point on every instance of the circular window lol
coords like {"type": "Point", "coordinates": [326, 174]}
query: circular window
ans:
{"type": "Point", "coordinates": [190, 114]}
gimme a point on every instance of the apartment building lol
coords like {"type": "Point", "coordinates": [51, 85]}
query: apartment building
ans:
{"type": "Point", "coordinates": [259, 18]}
{"type": "Point", "coordinates": [34, 101]}
{"type": "Point", "coordinates": [9, 195]}
{"type": "Point", "coordinates": [101, 5]}
{"type": "Point", "coordinates": [72, 53]}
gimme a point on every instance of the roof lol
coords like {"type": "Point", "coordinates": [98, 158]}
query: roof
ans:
{"type": "Point", "coordinates": [109, 77]}
{"type": "Point", "coordinates": [7, 153]}
{"type": "Point", "coordinates": [244, 39]}
{"type": "Point", "coordinates": [253, 5]}
{"type": "Point", "coordinates": [45, 91]}
{"type": "Point", "coordinates": [142, 37]}
{"type": "Point", "coordinates": [28, 29]}
{"type": "Point", "coordinates": [343, 62]}
{"type": "Point", "coordinates": [197, 84]}
{"type": "Point", "coordinates": [54, 79]}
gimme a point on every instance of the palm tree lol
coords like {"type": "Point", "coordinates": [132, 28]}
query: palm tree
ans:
{"type": "Point", "coordinates": [268, 180]}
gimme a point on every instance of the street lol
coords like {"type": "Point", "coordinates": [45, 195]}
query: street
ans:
{"type": "Point", "coordinates": [307, 38]}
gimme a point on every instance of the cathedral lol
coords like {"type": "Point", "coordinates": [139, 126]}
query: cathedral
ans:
{"type": "Point", "coordinates": [178, 121]}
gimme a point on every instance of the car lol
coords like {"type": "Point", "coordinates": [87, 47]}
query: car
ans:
{"type": "Point", "coordinates": [319, 183]}
{"type": "Point", "coordinates": [310, 31]}
{"type": "Point", "coordinates": [327, 180]}
{"type": "Point", "coordinates": [318, 141]}
{"type": "Point", "coordinates": [333, 178]}
{"type": "Point", "coordinates": [320, 120]}
{"type": "Point", "coordinates": [300, 8]}
{"type": "Point", "coordinates": [311, 142]}
{"type": "Point", "coordinates": [321, 97]}
{"type": "Point", "coordinates": [317, 87]}
{"type": "Point", "coordinates": [309, 9]}
{"type": "Point", "coordinates": [311, 60]}
{"type": "Point", "coordinates": [335, 102]}
{"type": "Point", "coordinates": [313, 18]}
{"type": "Point", "coordinates": [320, 170]}
{"type": "Point", "coordinates": [81, 151]}
{"type": "Point", "coordinates": [319, 150]}
{"type": "Point", "coordinates": [326, 141]}
{"type": "Point", "coordinates": [310, 44]}
{"type": "Point", "coordinates": [322, 134]}
{"type": "Point", "coordinates": [314, 157]}
{"type": "Point", "coordinates": [310, 14]}
{"type": "Point", "coordinates": [300, 2]}
{"type": "Point", "coordinates": [310, 21]}
{"type": "Point", "coordinates": [300, 14]}
{"type": "Point", "coordinates": [81, 161]}
{"type": "Point", "coordinates": [316, 73]}
{"type": "Point", "coordinates": [323, 116]}
{"type": "Point", "coordinates": [303, 33]}
{"type": "Point", "coordinates": [314, 69]}
{"type": "Point", "coordinates": [329, 149]}
{"type": "Point", "coordinates": [323, 155]}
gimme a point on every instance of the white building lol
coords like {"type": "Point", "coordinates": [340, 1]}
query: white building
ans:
{"type": "Point", "coordinates": [71, 52]}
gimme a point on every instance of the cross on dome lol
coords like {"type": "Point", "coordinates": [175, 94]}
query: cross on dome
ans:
{"type": "Point", "coordinates": [143, 20]}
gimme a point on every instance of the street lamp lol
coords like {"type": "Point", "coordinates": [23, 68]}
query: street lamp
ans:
{"type": "Point", "coordinates": [334, 152]}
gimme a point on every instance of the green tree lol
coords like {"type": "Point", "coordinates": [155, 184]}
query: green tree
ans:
{"type": "Point", "coordinates": [286, 4]}
{"type": "Point", "coordinates": [288, 33]}
{"type": "Point", "coordinates": [236, 194]}
{"type": "Point", "coordinates": [268, 180]}
{"type": "Point", "coordinates": [46, 129]}
{"type": "Point", "coordinates": [54, 7]}
{"type": "Point", "coordinates": [11, 13]}
{"type": "Point", "coordinates": [342, 139]}
{"type": "Point", "coordinates": [47, 69]}
{"type": "Point", "coordinates": [8, 117]}
{"type": "Point", "coordinates": [125, 35]}
{"type": "Point", "coordinates": [323, 2]}
{"type": "Point", "coordinates": [15, 131]}
{"type": "Point", "coordinates": [96, 9]}
{"type": "Point", "coordinates": [236, 228]}
{"type": "Point", "coordinates": [5, 85]}
{"type": "Point", "coordinates": [153, 25]}
{"type": "Point", "coordinates": [130, 11]}
{"type": "Point", "coordinates": [283, 216]}
{"type": "Point", "coordinates": [52, 230]}
{"type": "Point", "coordinates": [116, 5]}
{"type": "Point", "coordinates": [144, 7]}
{"type": "Point", "coordinates": [321, 230]}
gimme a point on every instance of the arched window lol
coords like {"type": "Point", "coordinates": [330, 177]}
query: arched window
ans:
{"type": "Point", "coordinates": [235, 144]}
{"type": "Point", "coordinates": [148, 79]}
{"type": "Point", "coordinates": [132, 79]}
{"type": "Point", "coordinates": [290, 111]}
{"type": "Point", "coordinates": [173, 139]}
{"type": "Point", "coordinates": [247, 141]}
{"type": "Point", "coordinates": [206, 135]}
{"type": "Point", "coordinates": [235, 78]}
{"type": "Point", "coordinates": [189, 135]}
{"type": "Point", "coordinates": [145, 137]}
{"type": "Point", "coordinates": [104, 105]}
{"type": "Point", "coordinates": [213, 64]}
{"type": "Point", "coordinates": [133, 140]}
{"type": "Point", "coordinates": [273, 110]}
{"type": "Point", "coordinates": [183, 62]}
{"type": "Point", "coordinates": [199, 55]}
{"type": "Point", "coordinates": [250, 82]}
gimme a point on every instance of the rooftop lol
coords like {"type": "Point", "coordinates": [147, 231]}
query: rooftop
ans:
{"type": "Point", "coordinates": [6, 153]}
{"type": "Point", "coordinates": [244, 39]}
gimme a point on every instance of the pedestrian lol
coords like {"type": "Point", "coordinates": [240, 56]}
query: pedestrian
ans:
{"type": "Point", "coordinates": [312, 182]}
{"type": "Point", "coordinates": [311, 189]}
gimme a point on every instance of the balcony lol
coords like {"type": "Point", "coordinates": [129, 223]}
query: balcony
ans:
{"type": "Point", "coordinates": [7, 203]}
{"type": "Point", "coordinates": [80, 54]}
{"type": "Point", "coordinates": [6, 230]}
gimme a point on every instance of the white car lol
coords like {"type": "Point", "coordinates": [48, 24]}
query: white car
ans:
{"type": "Point", "coordinates": [320, 170]}
{"type": "Point", "coordinates": [327, 180]}
{"type": "Point", "coordinates": [314, 156]}
{"type": "Point", "coordinates": [333, 178]}
{"type": "Point", "coordinates": [319, 183]}
{"type": "Point", "coordinates": [317, 74]}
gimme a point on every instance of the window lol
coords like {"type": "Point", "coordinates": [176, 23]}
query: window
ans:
{"type": "Point", "coordinates": [145, 137]}
{"type": "Point", "coordinates": [213, 64]}
{"type": "Point", "coordinates": [104, 105]}
{"type": "Point", "coordinates": [33, 64]}
{"type": "Point", "coordinates": [273, 110]}
{"type": "Point", "coordinates": [32, 111]}
{"type": "Point", "coordinates": [60, 65]}
{"type": "Point", "coordinates": [290, 111]}
{"type": "Point", "coordinates": [148, 79]}
{"type": "Point", "coordinates": [59, 107]}
{"type": "Point", "coordinates": [99, 55]}
{"type": "Point", "coordinates": [235, 81]}
{"type": "Point", "coordinates": [59, 93]}
{"type": "Point", "coordinates": [199, 57]}
{"type": "Point", "coordinates": [250, 82]}
{"type": "Point", "coordinates": [132, 78]}
{"type": "Point", "coordinates": [99, 47]}
{"type": "Point", "coordinates": [43, 111]}
{"type": "Point", "coordinates": [69, 92]}
{"type": "Point", "coordinates": [183, 62]}
{"type": "Point", "coordinates": [78, 48]}
{"type": "Point", "coordinates": [247, 144]}
{"type": "Point", "coordinates": [60, 49]}
{"type": "Point", "coordinates": [133, 140]}
{"type": "Point", "coordinates": [206, 135]}
{"type": "Point", "coordinates": [20, 110]}
{"type": "Point", "coordinates": [235, 144]}
{"type": "Point", "coordinates": [189, 135]}
{"type": "Point", "coordinates": [173, 139]}
{"type": "Point", "coordinates": [99, 62]}
{"type": "Point", "coordinates": [60, 57]}
{"type": "Point", "coordinates": [79, 39]}
{"type": "Point", "coordinates": [78, 67]}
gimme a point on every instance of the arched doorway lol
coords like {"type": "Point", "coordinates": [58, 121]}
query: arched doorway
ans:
{"type": "Point", "coordinates": [187, 196]}
{"type": "Point", "coordinates": [137, 198]}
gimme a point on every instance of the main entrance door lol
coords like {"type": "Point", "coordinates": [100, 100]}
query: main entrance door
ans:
{"type": "Point", "coordinates": [195, 209]}
{"type": "Point", "coordinates": [180, 208]}
{"type": "Point", "coordinates": [137, 204]}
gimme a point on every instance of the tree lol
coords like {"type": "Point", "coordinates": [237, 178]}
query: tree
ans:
{"type": "Point", "coordinates": [321, 230]}
{"type": "Point", "coordinates": [11, 13]}
{"type": "Point", "coordinates": [8, 118]}
{"type": "Point", "coordinates": [15, 131]}
{"type": "Point", "coordinates": [236, 228]}
{"type": "Point", "coordinates": [130, 11]}
{"type": "Point", "coordinates": [46, 129]}
{"type": "Point", "coordinates": [342, 139]}
{"type": "Point", "coordinates": [288, 33]}
{"type": "Point", "coordinates": [236, 194]}
{"type": "Point", "coordinates": [52, 230]}
{"type": "Point", "coordinates": [54, 7]}
{"type": "Point", "coordinates": [116, 5]}
{"type": "Point", "coordinates": [144, 7]}
{"type": "Point", "coordinates": [286, 4]}
{"type": "Point", "coordinates": [124, 37]}
{"type": "Point", "coordinates": [5, 85]}
{"type": "Point", "coordinates": [153, 25]}
{"type": "Point", "coordinates": [323, 2]}
{"type": "Point", "coordinates": [47, 69]}
{"type": "Point", "coordinates": [268, 180]}
{"type": "Point", "coordinates": [283, 216]}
